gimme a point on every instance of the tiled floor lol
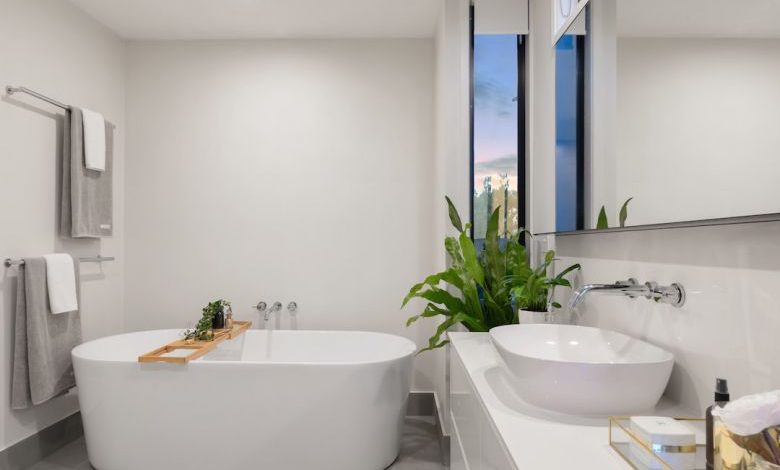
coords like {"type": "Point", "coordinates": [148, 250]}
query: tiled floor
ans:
{"type": "Point", "coordinates": [419, 451]}
{"type": "Point", "coordinates": [419, 447]}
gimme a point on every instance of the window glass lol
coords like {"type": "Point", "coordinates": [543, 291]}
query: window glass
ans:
{"type": "Point", "coordinates": [495, 132]}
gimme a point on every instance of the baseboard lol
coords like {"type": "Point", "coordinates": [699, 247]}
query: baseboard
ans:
{"type": "Point", "coordinates": [421, 404]}
{"type": "Point", "coordinates": [42, 444]}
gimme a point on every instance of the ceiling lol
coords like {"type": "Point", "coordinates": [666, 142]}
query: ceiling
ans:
{"type": "Point", "coordinates": [248, 19]}
{"type": "Point", "coordinates": [699, 18]}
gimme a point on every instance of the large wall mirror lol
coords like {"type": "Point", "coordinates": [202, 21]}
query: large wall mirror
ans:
{"type": "Point", "coordinates": [680, 111]}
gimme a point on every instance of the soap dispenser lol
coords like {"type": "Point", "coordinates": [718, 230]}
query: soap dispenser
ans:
{"type": "Point", "coordinates": [714, 429]}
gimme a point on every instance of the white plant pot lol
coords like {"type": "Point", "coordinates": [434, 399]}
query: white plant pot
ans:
{"type": "Point", "coordinates": [527, 317]}
{"type": "Point", "coordinates": [558, 317]}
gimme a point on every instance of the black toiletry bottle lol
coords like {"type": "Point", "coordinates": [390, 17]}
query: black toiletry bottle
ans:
{"type": "Point", "coordinates": [721, 398]}
{"type": "Point", "coordinates": [218, 322]}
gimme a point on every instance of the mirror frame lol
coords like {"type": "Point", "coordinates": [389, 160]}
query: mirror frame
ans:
{"type": "Point", "coordinates": [742, 219]}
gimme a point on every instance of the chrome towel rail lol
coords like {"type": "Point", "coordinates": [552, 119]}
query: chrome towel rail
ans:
{"type": "Point", "coordinates": [20, 89]}
{"type": "Point", "coordinates": [88, 259]}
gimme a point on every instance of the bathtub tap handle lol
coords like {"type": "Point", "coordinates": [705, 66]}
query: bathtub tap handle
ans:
{"type": "Point", "coordinates": [292, 307]}
{"type": "Point", "coordinates": [261, 306]}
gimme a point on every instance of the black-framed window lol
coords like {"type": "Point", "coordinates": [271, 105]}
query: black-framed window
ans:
{"type": "Point", "coordinates": [497, 132]}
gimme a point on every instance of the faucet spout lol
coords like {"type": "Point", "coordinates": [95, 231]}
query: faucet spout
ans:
{"type": "Point", "coordinates": [629, 287]}
{"type": "Point", "coordinates": [274, 308]}
{"type": "Point", "coordinates": [673, 294]}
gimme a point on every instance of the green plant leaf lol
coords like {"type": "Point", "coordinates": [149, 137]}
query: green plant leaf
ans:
{"type": "Point", "coordinates": [435, 340]}
{"type": "Point", "coordinates": [491, 233]}
{"type": "Point", "coordinates": [568, 270]}
{"type": "Point", "coordinates": [440, 296]}
{"type": "Point", "coordinates": [602, 221]}
{"type": "Point", "coordinates": [452, 247]}
{"type": "Point", "coordinates": [624, 212]}
{"type": "Point", "coordinates": [560, 282]}
{"type": "Point", "coordinates": [433, 280]}
{"type": "Point", "coordinates": [454, 216]}
{"type": "Point", "coordinates": [430, 311]}
{"type": "Point", "coordinates": [470, 261]}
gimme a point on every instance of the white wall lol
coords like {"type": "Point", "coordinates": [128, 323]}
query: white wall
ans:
{"type": "Point", "coordinates": [693, 111]}
{"type": "Point", "coordinates": [452, 163]}
{"type": "Point", "coordinates": [281, 170]}
{"type": "Point", "coordinates": [540, 113]}
{"type": "Point", "coordinates": [730, 323]}
{"type": "Point", "coordinates": [52, 47]}
{"type": "Point", "coordinates": [501, 17]}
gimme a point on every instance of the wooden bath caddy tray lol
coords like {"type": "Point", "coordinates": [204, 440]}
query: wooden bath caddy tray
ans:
{"type": "Point", "coordinates": [198, 348]}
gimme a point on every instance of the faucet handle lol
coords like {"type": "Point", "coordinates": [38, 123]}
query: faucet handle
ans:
{"type": "Point", "coordinates": [673, 294]}
{"type": "Point", "coordinates": [261, 306]}
{"type": "Point", "coordinates": [292, 307]}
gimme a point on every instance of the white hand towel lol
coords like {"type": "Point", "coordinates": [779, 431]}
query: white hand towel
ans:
{"type": "Point", "coordinates": [61, 283]}
{"type": "Point", "coordinates": [94, 140]}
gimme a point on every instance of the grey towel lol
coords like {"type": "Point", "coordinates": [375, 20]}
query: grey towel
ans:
{"type": "Point", "coordinates": [42, 341]}
{"type": "Point", "coordinates": [86, 208]}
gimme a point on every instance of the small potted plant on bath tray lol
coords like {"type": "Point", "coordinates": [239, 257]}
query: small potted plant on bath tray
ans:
{"type": "Point", "coordinates": [213, 318]}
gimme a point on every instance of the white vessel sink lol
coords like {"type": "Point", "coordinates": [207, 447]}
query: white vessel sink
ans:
{"type": "Point", "coordinates": [583, 371]}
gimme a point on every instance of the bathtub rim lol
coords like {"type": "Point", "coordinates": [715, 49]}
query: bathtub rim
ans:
{"type": "Point", "coordinates": [202, 360]}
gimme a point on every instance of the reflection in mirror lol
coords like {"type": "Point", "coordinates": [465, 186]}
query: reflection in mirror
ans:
{"type": "Point", "coordinates": [569, 128]}
{"type": "Point", "coordinates": [566, 13]}
{"type": "Point", "coordinates": [683, 100]}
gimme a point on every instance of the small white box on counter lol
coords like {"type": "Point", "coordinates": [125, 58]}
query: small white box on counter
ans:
{"type": "Point", "coordinates": [671, 440]}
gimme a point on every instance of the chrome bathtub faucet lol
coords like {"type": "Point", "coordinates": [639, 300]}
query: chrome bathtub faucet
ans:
{"type": "Point", "coordinates": [274, 308]}
{"type": "Point", "coordinates": [263, 308]}
{"type": "Point", "coordinates": [673, 294]}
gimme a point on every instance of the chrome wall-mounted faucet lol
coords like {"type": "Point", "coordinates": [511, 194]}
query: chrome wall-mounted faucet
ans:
{"type": "Point", "coordinates": [263, 308]}
{"type": "Point", "coordinates": [673, 294]}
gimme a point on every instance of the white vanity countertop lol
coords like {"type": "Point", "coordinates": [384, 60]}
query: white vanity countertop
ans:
{"type": "Point", "coordinates": [533, 438]}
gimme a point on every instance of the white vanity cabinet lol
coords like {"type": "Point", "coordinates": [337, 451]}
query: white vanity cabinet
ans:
{"type": "Point", "coordinates": [476, 444]}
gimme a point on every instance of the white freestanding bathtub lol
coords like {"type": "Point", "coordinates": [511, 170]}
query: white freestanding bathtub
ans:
{"type": "Point", "coordinates": [271, 400]}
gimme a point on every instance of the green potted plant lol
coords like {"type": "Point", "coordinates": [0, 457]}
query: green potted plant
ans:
{"type": "Point", "coordinates": [209, 321]}
{"type": "Point", "coordinates": [485, 290]}
{"type": "Point", "coordinates": [533, 295]}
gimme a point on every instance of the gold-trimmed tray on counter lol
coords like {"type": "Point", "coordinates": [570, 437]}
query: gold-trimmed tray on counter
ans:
{"type": "Point", "coordinates": [167, 353]}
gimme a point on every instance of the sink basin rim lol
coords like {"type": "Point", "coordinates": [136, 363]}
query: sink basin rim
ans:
{"type": "Point", "coordinates": [663, 356]}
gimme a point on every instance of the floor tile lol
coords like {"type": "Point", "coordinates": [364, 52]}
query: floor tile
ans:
{"type": "Point", "coordinates": [419, 446]}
